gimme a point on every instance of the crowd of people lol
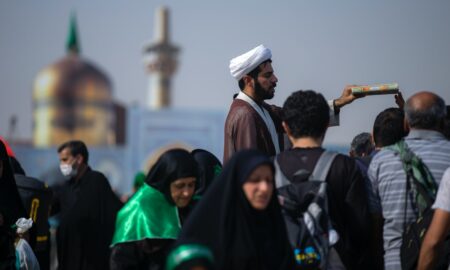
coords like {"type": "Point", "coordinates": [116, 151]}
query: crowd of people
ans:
{"type": "Point", "coordinates": [281, 200]}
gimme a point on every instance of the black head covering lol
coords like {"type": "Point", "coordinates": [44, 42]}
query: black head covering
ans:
{"type": "Point", "coordinates": [11, 205]}
{"type": "Point", "coordinates": [171, 166]}
{"type": "Point", "coordinates": [11, 209]}
{"type": "Point", "coordinates": [208, 168]}
{"type": "Point", "coordinates": [239, 236]}
{"type": "Point", "coordinates": [16, 167]}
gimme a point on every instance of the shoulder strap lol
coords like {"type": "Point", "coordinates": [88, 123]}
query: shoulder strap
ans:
{"type": "Point", "coordinates": [280, 179]}
{"type": "Point", "coordinates": [320, 172]}
{"type": "Point", "coordinates": [323, 165]}
{"type": "Point", "coordinates": [418, 176]}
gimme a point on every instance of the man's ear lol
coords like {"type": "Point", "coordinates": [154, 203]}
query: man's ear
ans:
{"type": "Point", "coordinates": [247, 79]}
{"type": "Point", "coordinates": [442, 125]}
{"type": "Point", "coordinates": [286, 128]}
{"type": "Point", "coordinates": [80, 159]}
{"type": "Point", "coordinates": [406, 125]}
{"type": "Point", "coordinates": [351, 153]}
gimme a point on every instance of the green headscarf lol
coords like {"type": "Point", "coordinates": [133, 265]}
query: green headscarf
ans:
{"type": "Point", "coordinates": [147, 215]}
{"type": "Point", "coordinates": [151, 213]}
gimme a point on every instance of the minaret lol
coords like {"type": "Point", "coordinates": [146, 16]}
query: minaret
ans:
{"type": "Point", "coordinates": [161, 62]}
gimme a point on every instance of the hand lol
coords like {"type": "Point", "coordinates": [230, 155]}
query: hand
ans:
{"type": "Point", "coordinates": [347, 97]}
{"type": "Point", "coordinates": [399, 100]}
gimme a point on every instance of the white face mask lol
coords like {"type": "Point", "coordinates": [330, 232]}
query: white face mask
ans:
{"type": "Point", "coordinates": [67, 170]}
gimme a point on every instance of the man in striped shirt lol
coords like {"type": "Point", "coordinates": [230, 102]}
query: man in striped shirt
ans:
{"type": "Point", "coordinates": [425, 113]}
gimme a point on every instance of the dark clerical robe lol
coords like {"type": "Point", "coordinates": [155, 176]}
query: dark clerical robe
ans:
{"type": "Point", "coordinates": [245, 129]}
{"type": "Point", "coordinates": [88, 213]}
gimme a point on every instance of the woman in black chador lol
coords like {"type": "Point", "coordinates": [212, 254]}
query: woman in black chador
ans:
{"type": "Point", "coordinates": [11, 209]}
{"type": "Point", "coordinates": [238, 220]}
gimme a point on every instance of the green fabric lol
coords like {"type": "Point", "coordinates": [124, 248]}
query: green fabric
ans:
{"type": "Point", "coordinates": [147, 214]}
{"type": "Point", "coordinates": [17, 260]}
{"type": "Point", "coordinates": [139, 180]}
{"type": "Point", "coordinates": [186, 253]}
{"type": "Point", "coordinates": [72, 44]}
{"type": "Point", "coordinates": [217, 170]}
{"type": "Point", "coordinates": [412, 163]}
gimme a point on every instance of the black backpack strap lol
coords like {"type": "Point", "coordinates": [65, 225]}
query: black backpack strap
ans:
{"type": "Point", "coordinates": [320, 172]}
{"type": "Point", "coordinates": [280, 179]}
{"type": "Point", "coordinates": [323, 165]}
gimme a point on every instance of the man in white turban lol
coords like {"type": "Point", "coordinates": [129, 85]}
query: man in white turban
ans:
{"type": "Point", "coordinates": [251, 123]}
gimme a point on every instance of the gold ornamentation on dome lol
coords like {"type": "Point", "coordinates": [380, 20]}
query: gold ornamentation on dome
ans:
{"type": "Point", "coordinates": [72, 100]}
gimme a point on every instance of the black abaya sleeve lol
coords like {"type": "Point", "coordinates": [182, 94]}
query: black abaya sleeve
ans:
{"type": "Point", "coordinates": [124, 257]}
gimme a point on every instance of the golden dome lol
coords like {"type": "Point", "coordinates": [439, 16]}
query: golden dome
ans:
{"type": "Point", "coordinates": [73, 100]}
{"type": "Point", "coordinates": [68, 78]}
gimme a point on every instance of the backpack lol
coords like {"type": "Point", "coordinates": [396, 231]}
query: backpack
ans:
{"type": "Point", "coordinates": [421, 188]}
{"type": "Point", "coordinates": [304, 205]}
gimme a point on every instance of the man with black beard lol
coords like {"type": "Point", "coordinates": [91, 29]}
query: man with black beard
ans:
{"type": "Point", "coordinates": [251, 123]}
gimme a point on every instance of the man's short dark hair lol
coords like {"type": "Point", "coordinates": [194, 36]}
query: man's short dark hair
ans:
{"type": "Point", "coordinates": [388, 127]}
{"type": "Point", "coordinates": [254, 74]}
{"type": "Point", "coordinates": [362, 144]}
{"type": "Point", "coordinates": [76, 148]}
{"type": "Point", "coordinates": [447, 124]}
{"type": "Point", "coordinates": [306, 113]}
{"type": "Point", "coordinates": [430, 118]}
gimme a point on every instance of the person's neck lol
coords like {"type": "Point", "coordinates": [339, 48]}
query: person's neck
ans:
{"type": "Point", "coordinates": [306, 142]}
{"type": "Point", "coordinates": [81, 172]}
{"type": "Point", "coordinates": [251, 94]}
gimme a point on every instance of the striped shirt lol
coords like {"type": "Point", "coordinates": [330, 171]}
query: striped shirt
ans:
{"type": "Point", "coordinates": [443, 196]}
{"type": "Point", "coordinates": [389, 184]}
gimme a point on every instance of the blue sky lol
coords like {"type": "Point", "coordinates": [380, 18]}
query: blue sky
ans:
{"type": "Point", "coordinates": [320, 45]}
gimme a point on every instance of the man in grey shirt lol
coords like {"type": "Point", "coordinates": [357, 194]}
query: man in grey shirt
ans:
{"type": "Point", "coordinates": [440, 226]}
{"type": "Point", "coordinates": [425, 113]}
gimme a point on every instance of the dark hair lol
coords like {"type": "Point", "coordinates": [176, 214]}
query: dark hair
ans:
{"type": "Point", "coordinates": [254, 74]}
{"type": "Point", "coordinates": [306, 113]}
{"type": "Point", "coordinates": [447, 124]}
{"type": "Point", "coordinates": [362, 144]}
{"type": "Point", "coordinates": [209, 167]}
{"type": "Point", "coordinates": [76, 148]}
{"type": "Point", "coordinates": [388, 127]}
{"type": "Point", "coordinates": [430, 117]}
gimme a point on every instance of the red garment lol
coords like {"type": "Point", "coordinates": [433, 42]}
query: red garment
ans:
{"type": "Point", "coordinates": [9, 151]}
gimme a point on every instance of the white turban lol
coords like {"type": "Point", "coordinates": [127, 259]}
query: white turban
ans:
{"type": "Point", "coordinates": [244, 63]}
